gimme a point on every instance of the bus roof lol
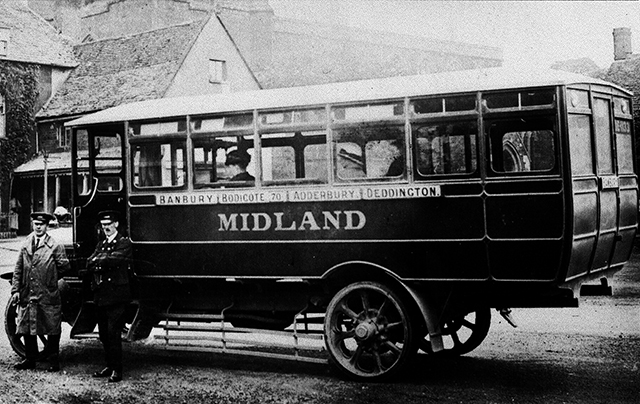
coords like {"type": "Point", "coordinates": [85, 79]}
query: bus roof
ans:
{"type": "Point", "coordinates": [354, 91]}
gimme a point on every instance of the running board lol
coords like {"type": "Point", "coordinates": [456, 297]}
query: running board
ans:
{"type": "Point", "coordinates": [186, 332]}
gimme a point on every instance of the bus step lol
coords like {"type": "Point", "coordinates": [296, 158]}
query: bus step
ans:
{"type": "Point", "coordinates": [243, 352]}
{"type": "Point", "coordinates": [192, 317]}
{"type": "Point", "coordinates": [86, 335]}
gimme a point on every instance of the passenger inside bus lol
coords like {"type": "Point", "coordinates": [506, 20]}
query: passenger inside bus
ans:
{"type": "Point", "coordinates": [350, 164]}
{"type": "Point", "coordinates": [396, 168]}
{"type": "Point", "coordinates": [237, 161]}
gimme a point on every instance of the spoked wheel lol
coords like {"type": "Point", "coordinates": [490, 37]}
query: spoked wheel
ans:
{"type": "Point", "coordinates": [462, 334]}
{"type": "Point", "coordinates": [16, 341]}
{"type": "Point", "coordinates": [368, 332]}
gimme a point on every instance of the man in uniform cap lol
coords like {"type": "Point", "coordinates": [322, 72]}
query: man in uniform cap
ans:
{"type": "Point", "coordinates": [109, 268]}
{"type": "Point", "coordinates": [34, 288]}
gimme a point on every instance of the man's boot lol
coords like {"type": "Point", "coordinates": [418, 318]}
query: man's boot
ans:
{"type": "Point", "coordinates": [54, 355]}
{"type": "Point", "coordinates": [31, 353]}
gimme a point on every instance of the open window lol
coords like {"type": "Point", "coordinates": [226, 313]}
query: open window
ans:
{"type": "Point", "coordinates": [522, 145]}
{"type": "Point", "coordinates": [368, 152]}
{"type": "Point", "coordinates": [159, 164]}
{"type": "Point", "coordinates": [223, 161]}
{"type": "Point", "coordinates": [445, 148]}
{"type": "Point", "coordinates": [294, 156]}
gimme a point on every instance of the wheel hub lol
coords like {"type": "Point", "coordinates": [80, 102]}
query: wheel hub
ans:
{"type": "Point", "coordinates": [366, 330]}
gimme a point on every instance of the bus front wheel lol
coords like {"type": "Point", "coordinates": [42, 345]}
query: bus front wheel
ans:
{"type": "Point", "coordinates": [368, 332]}
{"type": "Point", "coordinates": [10, 327]}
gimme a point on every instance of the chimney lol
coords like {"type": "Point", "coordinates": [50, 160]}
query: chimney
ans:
{"type": "Point", "coordinates": [622, 43]}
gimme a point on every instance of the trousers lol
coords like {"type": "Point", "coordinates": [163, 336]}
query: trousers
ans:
{"type": "Point", "coordinates": [110, 323]}
{"type": "Point", "coordinates": [31, 347]}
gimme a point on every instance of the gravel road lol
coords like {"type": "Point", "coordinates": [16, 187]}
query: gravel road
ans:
{"type": "Point", "coordinates": [589, 354]}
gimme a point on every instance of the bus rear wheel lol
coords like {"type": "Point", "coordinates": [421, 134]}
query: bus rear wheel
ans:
{"type": "Point", "coordinates": [462, 334]}
{"type": "Point", "coordinates": [16, 341]}
{"type": "Point", "coordinates": [368, 332]}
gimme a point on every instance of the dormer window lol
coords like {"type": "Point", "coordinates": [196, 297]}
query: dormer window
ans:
{"type": "Point", "coordinates": [4, 41]}
{"type": "Point", "coordinates": [217, 71]}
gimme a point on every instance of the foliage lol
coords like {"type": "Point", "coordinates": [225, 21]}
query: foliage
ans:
{"type": "Point", "coordinates": [19, 86]}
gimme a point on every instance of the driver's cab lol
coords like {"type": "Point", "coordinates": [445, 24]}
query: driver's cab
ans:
{"type": "Point", "coordinates": [99, 181]}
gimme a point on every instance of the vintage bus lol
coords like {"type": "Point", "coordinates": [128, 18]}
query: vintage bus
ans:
{"type": "Point", "coordinates": [394, 212]}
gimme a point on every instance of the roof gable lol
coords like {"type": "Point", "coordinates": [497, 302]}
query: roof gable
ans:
{"type": "Point", "coordinates": [133, 68]}
{"type": "Point", "coordinates": [32, 39]}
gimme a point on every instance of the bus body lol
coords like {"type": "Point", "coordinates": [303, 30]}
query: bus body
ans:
{"type": "Point", "coordinates": [396, 207]}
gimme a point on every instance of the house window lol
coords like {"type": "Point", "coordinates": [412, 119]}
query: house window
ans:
{"type": "Point", "coordinates": [217, 71]}
{"type": "Point", "coordinates": [63, 135]}
{"type": "Point", "coordinates": [3, 132]}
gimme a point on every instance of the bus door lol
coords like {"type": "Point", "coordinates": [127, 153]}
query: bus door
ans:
{"type": "Point", "coordinates": [524, 191]}
{"type": "Point", "coordinates": [604, 184]}
{"type": "Point", "coordinates": [98, 181]}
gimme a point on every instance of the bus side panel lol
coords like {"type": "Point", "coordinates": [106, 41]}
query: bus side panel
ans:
{"type": "Point", "coordinates": [425, 219]}
{"type": "Point", "coordinates": [585, 226]}
{"type": "Point", "coordinates": [427, 238]}
{"type": "Point", "coordinates": [628, 219]}
{"type": "Point", "coordinates": [438, 261]}
{"type": "Point", "coordinates": [525, 230]}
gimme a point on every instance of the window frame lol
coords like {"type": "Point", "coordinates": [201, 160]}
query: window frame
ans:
{"type": "Point", "coordinates": [217, 71]}
{"type": "Point", "coordinates": [549, 114]}
{"type": "Point", "coordinates": [467, 118]}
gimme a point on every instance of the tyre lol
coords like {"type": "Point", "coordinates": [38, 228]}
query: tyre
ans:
{"type": "Point", "coordinates": [368, 332]}
{"type": "Point", "coordinates": [10, 327]}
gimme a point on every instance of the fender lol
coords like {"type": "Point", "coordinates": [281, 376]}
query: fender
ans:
{"type": "Point", "coordinates": [429, 311]}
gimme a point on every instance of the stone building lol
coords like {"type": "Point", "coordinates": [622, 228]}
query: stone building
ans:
{"type": "Point", "coordinates": [133, 50]}
{"type": "Point", "coordinates": [34, 62]}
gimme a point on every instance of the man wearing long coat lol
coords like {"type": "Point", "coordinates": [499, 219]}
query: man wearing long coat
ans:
{"type": "Point", "coordinates": [34, 289]}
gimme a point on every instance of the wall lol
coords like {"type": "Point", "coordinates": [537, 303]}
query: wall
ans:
{"type": "Point", "coordinates": [193, 77]}
{"type": "Point", "coordinates": [114, 19]}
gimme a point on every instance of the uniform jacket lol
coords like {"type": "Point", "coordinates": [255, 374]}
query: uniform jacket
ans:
{"type": "Point", "coordinates": [35, 278]}
{"type": "Point", "coordinates": [109, 269]}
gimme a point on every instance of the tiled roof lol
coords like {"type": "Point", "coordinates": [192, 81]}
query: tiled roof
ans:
{"type": "Point", "coordinates": [55, 162]}
{"type": "Point", "coordinates": [32, 39]}
{"type": "Point", "coordinates": [307, 54]}
{"type": "Point", "coordinates": [58, 163]}
{"type": "Point", "coordinates": [626, 73]}
{"type": "Point", "coordinates": [121, 70]}
{"type": "Point", "coordinates": [583, 66]}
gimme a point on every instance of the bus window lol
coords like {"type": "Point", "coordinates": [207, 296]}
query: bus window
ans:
{"type": "Point", "coordinates": [230, 122]}
{"type": "Point", "coordinates": [580, 144]}
{"type": "Point", "coordinates": [278, 163]}
{"type": "Point", "coordinates": [299, 116]}
{"type": "Point", "coordinates": [159, 164]}
{"type": "Point", "coordinates": [602, 120]}
{"type": "Point", "coordinates": [625, 146]}
{"type": "Point", "coordinates": [108, 160]}
{"type": "Point", "coordinates": [441, 105]}
{"type": "Point", "coordinates": [349, 161]}
{"type": "Point", "coordinates": [369, 152]}
{"type": "Point", "coordinates": [83, 180]}
{"type": "Point", "coordinates": [368, 112]}
{"type": "Point", "coordinates": [522, 145]}
{"type": "Point", "coordinates": [294, 156]}
{"type": "Point", "coordinates": [446, 148]}
{"type": "Point", "coordinates": [157, 128]}
{"type": "Point", "coordinates": [210, 159]}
